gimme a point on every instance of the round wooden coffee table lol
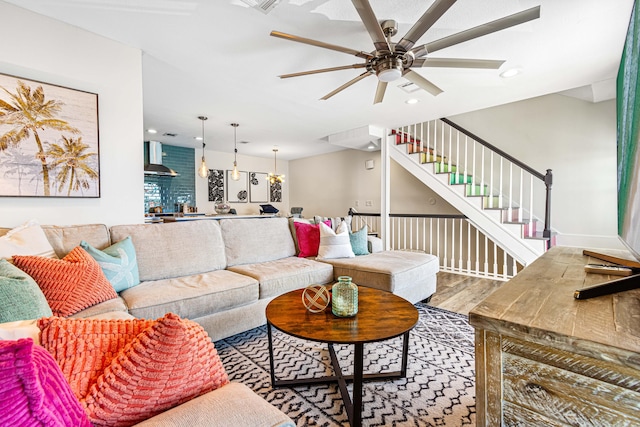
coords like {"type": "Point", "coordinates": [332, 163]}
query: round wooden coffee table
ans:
{"type": "Point", "coordinates": [381, 316]}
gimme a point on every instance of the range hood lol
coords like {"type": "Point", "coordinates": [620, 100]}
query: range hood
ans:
{"type": "Point", "coordinates": [154, 164]}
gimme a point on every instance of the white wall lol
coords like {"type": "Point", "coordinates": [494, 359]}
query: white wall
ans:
{"type": "Point", "coordinates": [224, 161]}
{"type": "Point", "coordinates": [577, 140]}
{"type": "Point", "coordinates": [574, 138]}
{"type": "Point", "coordinates": [330, 184]}
{"type": "Point", "coordinates": [64, 55]}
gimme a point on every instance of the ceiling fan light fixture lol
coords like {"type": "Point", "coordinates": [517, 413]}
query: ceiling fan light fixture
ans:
{"type": "Point", "coordinates": [389, 75]}
{"type": "Point", "coordinates": [389, 69]}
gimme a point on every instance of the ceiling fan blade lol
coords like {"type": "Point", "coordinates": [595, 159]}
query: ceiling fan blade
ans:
{"type": "Point", "coordinates": [479, 31]}
{"type": "Point", "coordinates": [437, 9]}
{"type": "Point", "coordinates": [492, 64]}
{"type": "Point", "coordinates": [422, 83]}
{"type": "Point", "coordinates": [317, 43]}
{"type": "Point", "coordinates": [382, 87]}
{"type": "Point", "coordinates": [346, 85]}
{"type": "Point", "coordinates": [323, 70]}
{"type": "Point", "coordinates": [372, 25]}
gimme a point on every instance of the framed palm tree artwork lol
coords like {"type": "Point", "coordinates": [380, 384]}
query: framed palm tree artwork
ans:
{"type": "Point", "coordinates": [48, 140]}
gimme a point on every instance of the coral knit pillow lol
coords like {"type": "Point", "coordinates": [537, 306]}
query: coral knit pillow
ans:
{"type": "Point", "coordinates": [33, 391]}
{"type": "Point", "coordinates": [83, 348]}
{"type": "Point", "coordinates": [167, 364]}
{"type": "Point", "coordinates": [70, 284]}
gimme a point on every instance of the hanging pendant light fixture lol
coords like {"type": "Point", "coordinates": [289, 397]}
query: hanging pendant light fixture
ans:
{"type": "Point", "coordinates": [235, 174]}
{"type": "Point", "coordinates": [274, 177]}
{"type": "Point", "coordinates": [203, 171]}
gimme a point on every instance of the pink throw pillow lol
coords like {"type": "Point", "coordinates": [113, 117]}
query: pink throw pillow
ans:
{"type": "Point", "coordinates": [308, 238]}
{"type": "Point", "coordinates": [33, 391]}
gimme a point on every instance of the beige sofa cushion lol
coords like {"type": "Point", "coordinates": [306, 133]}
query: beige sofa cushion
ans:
{"type": "Point", "coordinates": [249, 241]}
{"type": "Point", "coordinates": [283, 275]}
{"type": "Point", "coordinates": [65, 238]}
{"type": "Point", "coordinates": [197, 244]}
{"type": "Point", "coordinates": [390, 271]}
{"type": "Point", "coordinates": [234, 404]}
{"type": "Point", "coordinates": [191, 296]}
{"type": "Point", "coordinates": [114, 305]}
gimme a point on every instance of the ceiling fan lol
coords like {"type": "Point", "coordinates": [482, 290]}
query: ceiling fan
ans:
{"type": "Point", "coordinates": [390, 61]}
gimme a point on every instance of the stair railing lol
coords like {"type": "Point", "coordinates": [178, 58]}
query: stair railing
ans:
{"type": "Point", "coordinates": [460, 246]}
{"type": "Point", "coordinates": [505, 182]}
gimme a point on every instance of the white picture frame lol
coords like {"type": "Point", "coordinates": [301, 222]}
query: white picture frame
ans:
{"type": "Point", "coordinates": [258, 187]}
{"type": "Point", "coordinates": [237, 191]}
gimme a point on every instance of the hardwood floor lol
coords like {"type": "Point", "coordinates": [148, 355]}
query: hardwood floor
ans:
{"type": "Point", "coordinates": [458, 293]}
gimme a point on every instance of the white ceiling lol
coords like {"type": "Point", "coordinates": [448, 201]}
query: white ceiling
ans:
{"type": "Point", "coordinates": [216, 58]}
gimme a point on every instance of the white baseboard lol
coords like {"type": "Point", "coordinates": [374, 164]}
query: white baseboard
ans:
{"type": "Point", "coordinates": [589, 242]}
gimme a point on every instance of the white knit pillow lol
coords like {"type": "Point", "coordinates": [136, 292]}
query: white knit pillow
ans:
{"type": "Point", "coordinates": [335, 244]}
{"type": "Point", "coordinates": [27, 239]}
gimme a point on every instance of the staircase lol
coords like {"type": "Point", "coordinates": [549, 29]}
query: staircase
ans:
{"type": "Point", "coordinates": [499, 194]}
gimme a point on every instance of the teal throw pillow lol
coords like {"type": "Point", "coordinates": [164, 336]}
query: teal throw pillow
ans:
{"type": "Point", "coordinates": [359, 241]}
{"type": "Point", "coordinates": [118, 262]}
{"type": "Point", "coordinates": [20, 296]}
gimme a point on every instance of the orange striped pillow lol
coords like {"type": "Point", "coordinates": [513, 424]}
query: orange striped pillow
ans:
{"type": "Point", "coordinates": [83, 348]}
{"type": "Point", "coordinates": [70, 284]}
{"type": "Point", "coordinates": [167, 364]}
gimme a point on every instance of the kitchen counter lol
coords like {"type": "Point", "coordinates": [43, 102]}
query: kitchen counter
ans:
{"type": "Point", "coordinates": [210, 216]}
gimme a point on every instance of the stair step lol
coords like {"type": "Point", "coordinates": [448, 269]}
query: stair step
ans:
{"type": "Point", "coordinates": [445, 168]}
{"type": "Point", "coordinates": [403, 137]}
{"type": "Point", "coordinates": [455, 179]}
{"type": "Point", "coordinates": [430, 158]}
{"type": "Point", "coordinates": [415, 148]}
{"type": "Point", "coordinates": [476, 190]}
{"type": "Point", "coordinates": [538, 236]}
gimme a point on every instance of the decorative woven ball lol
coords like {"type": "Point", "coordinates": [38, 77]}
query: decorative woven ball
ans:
{"type": "Point", "coordinates": [316, 298]}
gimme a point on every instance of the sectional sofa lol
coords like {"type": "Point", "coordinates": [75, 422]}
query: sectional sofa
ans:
{"type": "Point", "coordinates": [222, 274]}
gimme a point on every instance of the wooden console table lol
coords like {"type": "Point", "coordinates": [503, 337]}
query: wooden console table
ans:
{"type": "Point", "coordinates": [546, 359]}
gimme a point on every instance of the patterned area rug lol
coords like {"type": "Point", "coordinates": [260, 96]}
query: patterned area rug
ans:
{"type": "Point", "coordinates": [439, 389]}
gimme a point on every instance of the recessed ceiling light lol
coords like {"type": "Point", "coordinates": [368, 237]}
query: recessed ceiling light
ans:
{"type": "Point", "coordinates": [511, 72]}
{"type": "Point", "coordinates": [412, 101]}
{"type": "Point", "coordinates": [197, 138]}
{"type": "Point", "coordinates": [152, 131]}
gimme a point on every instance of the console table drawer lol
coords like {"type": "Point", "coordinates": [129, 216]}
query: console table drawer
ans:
{"type": "Point", "coordinates": [549, 386]}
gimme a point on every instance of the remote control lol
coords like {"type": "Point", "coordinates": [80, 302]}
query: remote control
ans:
{"type": "Point", "coordinates": [608, 269]}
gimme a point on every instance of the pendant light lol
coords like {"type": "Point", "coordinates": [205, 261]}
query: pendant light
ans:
{"type": "Point", "coordinates": [235, 175]}
{"type": "Point", "coordinates": [274, 177]}
{"type": "Point", "coordinates": [203, 171]}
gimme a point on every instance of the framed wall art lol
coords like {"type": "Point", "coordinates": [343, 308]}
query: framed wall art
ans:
{"type": "Point", "coordinates": [258, 187]}
{"type": "Point", "coordinates": [237, 191]}
{"type": "Point", "coordinates": [216, 185]}
{"type": "Point", "coordinates": [276, 192]}
{"type": "Point", "coordinates": [48, 140]}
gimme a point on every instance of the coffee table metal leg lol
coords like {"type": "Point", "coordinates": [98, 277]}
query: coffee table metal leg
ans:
{"type": "Point", "coordinates": [271, 364]}
{"type": "Point", "coordinates": [405, 354]}
{"type": "Point", "coordinates": [357, 384]}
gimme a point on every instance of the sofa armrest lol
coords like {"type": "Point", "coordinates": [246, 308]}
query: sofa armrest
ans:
{"type": "Point", "coordinates": [374, 244]}
{"type": "Point", "coordinates": [234, 404]}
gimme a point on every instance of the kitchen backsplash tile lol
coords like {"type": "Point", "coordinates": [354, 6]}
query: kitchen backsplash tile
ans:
{"type": "Point", "coordinates": [166, 191]}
